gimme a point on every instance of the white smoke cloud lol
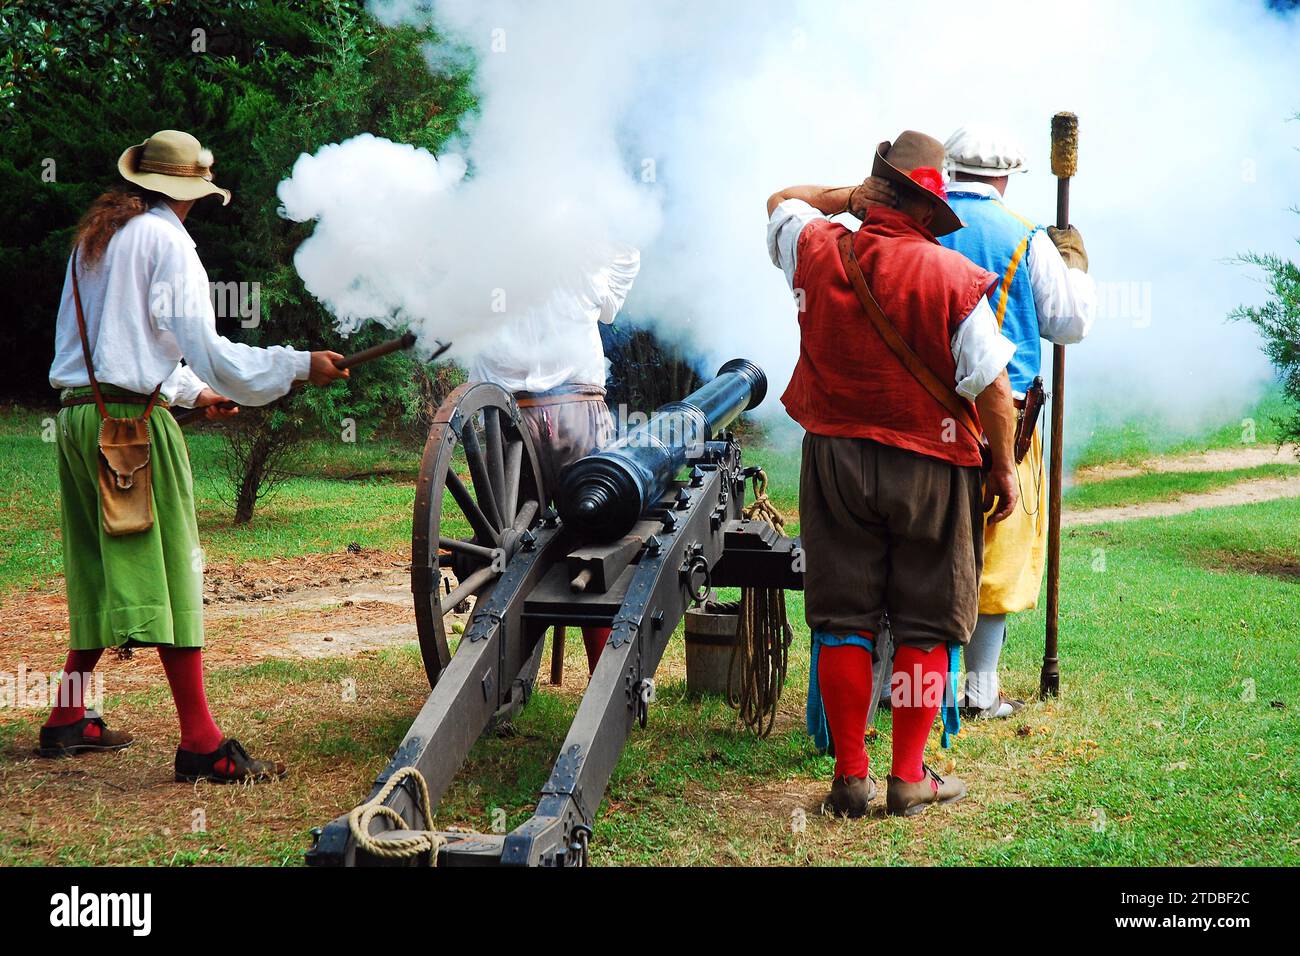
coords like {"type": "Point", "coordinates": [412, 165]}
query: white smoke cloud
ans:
{"type": "Point", "coordinates": [403, 237]}
{"type": "Point", "coordinates": [385, 220]}
{"type": "Point", "coordinates": [668, 124]}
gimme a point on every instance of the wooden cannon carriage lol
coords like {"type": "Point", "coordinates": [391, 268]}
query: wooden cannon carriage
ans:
{"type": "Point", "coordinates": [644, 529]}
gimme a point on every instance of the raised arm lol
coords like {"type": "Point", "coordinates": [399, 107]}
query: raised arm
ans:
{"type": "Point", "coordinates": [828, 200]}
{"type": "Point", "coordinates": [831, 200]}
{"type": "Point", "coordinates": [615, 280]}
{"type": "Point", "coordinates": [808, 203]}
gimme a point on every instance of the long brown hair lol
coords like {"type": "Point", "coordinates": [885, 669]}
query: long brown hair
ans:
{"type": "Point", "coordinates": [109, 213]}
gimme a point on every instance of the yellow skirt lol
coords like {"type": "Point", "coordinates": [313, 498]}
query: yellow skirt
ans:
{"type": "Point", "coordinates": [1016, 549]}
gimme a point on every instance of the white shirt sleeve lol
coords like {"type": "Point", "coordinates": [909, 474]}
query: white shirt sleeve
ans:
{"type": "Point", "coordinates": [243, 373]}
{"type": "Point", "coordinates": [182, 387]}
{"type": "Point", "coordinates": [1066, 298]}
{"type": "Point", "coordinates": [980, 350]}
{"type": "Point", "coordinates": [614, 282]}
{"type": "Point", "coordinates": [783, 229]}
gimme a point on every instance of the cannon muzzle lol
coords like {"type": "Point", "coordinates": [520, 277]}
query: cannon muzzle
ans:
{"type": "Point", "coordinates": [602, 495]}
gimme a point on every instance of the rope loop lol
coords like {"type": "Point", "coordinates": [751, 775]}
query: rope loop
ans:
{"type": "Point", "coordinates": [420, 841]}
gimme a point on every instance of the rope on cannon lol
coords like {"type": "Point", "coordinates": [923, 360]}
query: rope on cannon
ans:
{"type": "Point", "coordinates": [763, 636]}
{"type": "Point", "coordinates": [420, 841]}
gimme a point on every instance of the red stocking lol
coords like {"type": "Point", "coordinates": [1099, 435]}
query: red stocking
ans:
{"type": "Point", "coordinates": [844, 674]}
{"type": "Point", "coordinates": [917, 694]}
{"type": "Point", "coordinates": [70, 706]}
{"type": "Point", "coordinates": [184, 667]}
{"type": "Point", "coordinates": [594, 639]}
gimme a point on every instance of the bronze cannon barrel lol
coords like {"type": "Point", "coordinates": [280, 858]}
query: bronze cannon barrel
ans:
{"type": "Point", "coordinates": [602, 495]}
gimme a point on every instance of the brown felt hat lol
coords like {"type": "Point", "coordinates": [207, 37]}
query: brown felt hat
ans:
{"type": "Point", "coordinates": [912, 151]}
{"type": "Point", "coordinates": [172, 163]}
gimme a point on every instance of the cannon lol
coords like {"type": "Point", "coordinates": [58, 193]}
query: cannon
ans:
{"type": "Point", "coordinates": [643, 529]}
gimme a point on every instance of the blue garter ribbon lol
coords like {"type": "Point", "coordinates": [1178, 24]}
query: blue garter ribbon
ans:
{"type": "Point", "coordinates": [951, 715]}
{"type": "Point", "coordinates": [818, 729]}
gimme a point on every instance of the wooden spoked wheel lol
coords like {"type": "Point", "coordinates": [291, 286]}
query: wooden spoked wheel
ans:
{"type": "Point", "coordinates": [479, 490]}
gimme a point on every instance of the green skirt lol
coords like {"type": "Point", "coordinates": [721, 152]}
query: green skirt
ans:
{"type": "Point", "coordinates": [144, 588]}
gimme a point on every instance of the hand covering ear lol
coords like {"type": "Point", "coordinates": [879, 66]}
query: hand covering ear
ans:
{"type": "Point", "coordinates": [873, 189]}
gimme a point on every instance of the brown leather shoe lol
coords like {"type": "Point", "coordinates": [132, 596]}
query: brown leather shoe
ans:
{"type": "Point", "coordinates": [229, 763]}
{"type": "Point", "coordinates": [72, 739]}
{"type": "Point", "coordinates": [908, 799]}
{"type": "Point", "coordinates": [850, 796]}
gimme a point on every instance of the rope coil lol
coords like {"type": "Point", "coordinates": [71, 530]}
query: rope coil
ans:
{"type": "Point", "coordinates": [420, 841]}
{"type": "Point", "coordinates": [762, 508]}
{"type": "Point", "coordinates": [763, 636]}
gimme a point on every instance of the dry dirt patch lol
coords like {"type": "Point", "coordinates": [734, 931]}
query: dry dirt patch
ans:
{"type": "Point", "coordinates": [126, 808]}
{"type": "Point", "coordinates": [319, 605]}
{"type": "Point", "coordinates": [1276, 564]}
{"type": "Point", "coordinates": [1242, 493]}
{"type": "Point", "coordinates": [1217, 459]}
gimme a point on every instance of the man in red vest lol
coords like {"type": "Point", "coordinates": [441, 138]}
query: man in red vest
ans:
{"type": "Point", "coordinates": [901, 386]}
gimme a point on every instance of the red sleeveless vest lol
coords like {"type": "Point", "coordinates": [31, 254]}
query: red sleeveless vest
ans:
{"type": "Point", "coordinates": [847, 382]}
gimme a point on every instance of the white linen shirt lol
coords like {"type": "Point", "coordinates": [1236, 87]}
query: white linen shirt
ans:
{"type": "Point", "coordinates": [147, 306]}
{"type": "Point", "coordinates": [979, 348]}
{"type": "Point", "coordinates": [1065, 298]}
{"type": "Point", "coordinates": [558, 343]}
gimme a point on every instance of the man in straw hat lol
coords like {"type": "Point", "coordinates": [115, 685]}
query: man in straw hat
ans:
{"type": "Point", "coordinates": [1044, 292]}
{"type": "Point", "coordinates": [900, 363]}
{"type": "Point", "coordinates": [135, 304]}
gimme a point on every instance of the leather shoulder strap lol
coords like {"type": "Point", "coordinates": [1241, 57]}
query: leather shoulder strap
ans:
{"type": "Point", "coordinates": [85, 341]}
{"type": "Point", "coordinates": [944, 394]}
{"type": "Point", "coordinates": [85, 351]}
{"type": "Point", "coordinates": [153, 401]}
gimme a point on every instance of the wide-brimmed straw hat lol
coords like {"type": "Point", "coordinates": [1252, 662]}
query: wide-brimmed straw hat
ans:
{"type": "Point", "coordinates": [172, 163]}
{"type": "Point", "coordinates": [914, 162]}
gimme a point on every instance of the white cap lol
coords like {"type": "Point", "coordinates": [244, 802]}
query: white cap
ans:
{"type": "Point", "coordinates": [984, 151]}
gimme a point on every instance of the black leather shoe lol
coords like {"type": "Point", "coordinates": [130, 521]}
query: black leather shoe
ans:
{"type": "Point", "coordinates": [229, 763]}
{"type": "Point", "coordinates": [72, 739]}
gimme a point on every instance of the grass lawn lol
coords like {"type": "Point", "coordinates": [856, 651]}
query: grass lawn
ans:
{"type": "Point", "coordinates": [1174, 740]}
{"type": "Point", "coordinates": [326, 508]}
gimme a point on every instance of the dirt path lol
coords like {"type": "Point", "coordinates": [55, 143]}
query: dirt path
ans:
{"type": "Point", "coordinates": [1242, 493]}
{"type": "Point", "coordinates": [1218, 459]}
{"type": "Point", "coordinates": [320, 605]}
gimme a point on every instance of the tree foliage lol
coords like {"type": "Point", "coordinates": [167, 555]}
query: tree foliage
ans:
{"type": "Point", "coordinates": [259, 82]}
{"type": "Point", "coordinates": [645, 373]}
{"type": "Point", "coordinates": [1278, 321]}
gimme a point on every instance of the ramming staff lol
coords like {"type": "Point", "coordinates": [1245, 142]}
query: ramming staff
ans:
{"type": "Point", "coordinates": [1065, 160]}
